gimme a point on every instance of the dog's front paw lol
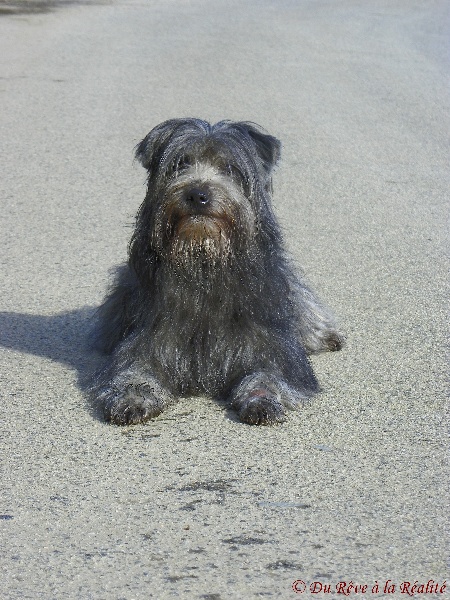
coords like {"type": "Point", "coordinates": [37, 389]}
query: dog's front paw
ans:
{"type": "Point", "coordinates": [258, 399]}
{"type": "Point", "coordinates": [261, 408]}
{"type": "Point", "coordinates": [136, 403]}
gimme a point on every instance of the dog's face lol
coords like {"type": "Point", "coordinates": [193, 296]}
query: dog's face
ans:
{"type": "Point", "coordinates": [208, 188]}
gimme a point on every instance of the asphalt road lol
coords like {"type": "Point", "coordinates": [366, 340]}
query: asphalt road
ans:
{"type": "Point", "coordinates": [194, 504]}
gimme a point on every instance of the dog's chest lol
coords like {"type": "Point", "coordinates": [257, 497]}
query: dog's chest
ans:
{"type": "Point", "coordinates": [200, 352]}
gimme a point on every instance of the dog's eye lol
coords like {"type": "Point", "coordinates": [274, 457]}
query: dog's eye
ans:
{"type": "Point", "coordinates": [236, 175]}
{"type": "Point", "coordinates": [181, 164]}
{"type": "Point", "coordinates": [239, 178]}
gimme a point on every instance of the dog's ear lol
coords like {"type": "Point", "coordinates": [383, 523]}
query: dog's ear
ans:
{"type": "Point", "coordinates": [166, 139]}
{"type": "Point", "coordinates": [148, 152]}
{"type": "Point", "coordinates": [267, 146]}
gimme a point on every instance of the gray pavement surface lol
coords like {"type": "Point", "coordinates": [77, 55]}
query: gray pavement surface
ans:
{"type": "Point", "coordinates": [194, 504]}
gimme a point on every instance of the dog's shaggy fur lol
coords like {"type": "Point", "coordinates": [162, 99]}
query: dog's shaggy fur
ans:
{"type": "Point", "coordinates": [208, 302]}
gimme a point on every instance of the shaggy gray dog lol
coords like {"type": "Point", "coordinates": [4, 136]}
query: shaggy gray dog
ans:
{"type": "Point", "coordinates": [208, 302]}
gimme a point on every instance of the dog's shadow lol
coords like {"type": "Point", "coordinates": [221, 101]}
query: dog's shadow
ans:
{"type": "Point", "coordinates": [63, 337]}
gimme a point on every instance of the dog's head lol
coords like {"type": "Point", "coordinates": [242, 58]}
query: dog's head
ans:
{"type": "Point", "coordinates": [208, 188]}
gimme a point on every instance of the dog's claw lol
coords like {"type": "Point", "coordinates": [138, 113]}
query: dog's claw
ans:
{"type": "Point", "coordinates": [335, 342]}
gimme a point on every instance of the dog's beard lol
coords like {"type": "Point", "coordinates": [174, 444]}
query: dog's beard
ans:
{"type": "Point", "coordinates": [200, 238]}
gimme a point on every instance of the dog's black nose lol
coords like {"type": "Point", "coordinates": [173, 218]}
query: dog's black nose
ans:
{"type": "Point", "coordinates": [196, 197]}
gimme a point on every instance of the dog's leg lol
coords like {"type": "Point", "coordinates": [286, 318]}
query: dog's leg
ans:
{"type": "Point", "coordinates": [261, 399]}
{"type": "Point", "coordinates": [131, 396]}
{"type": "Point", "coordinates": [317, 326]}
{"type": "Point", "coordinates": [117, 315]}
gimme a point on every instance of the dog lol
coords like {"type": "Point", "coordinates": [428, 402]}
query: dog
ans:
{"type": "Point", "coordinates": [208, 302]}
